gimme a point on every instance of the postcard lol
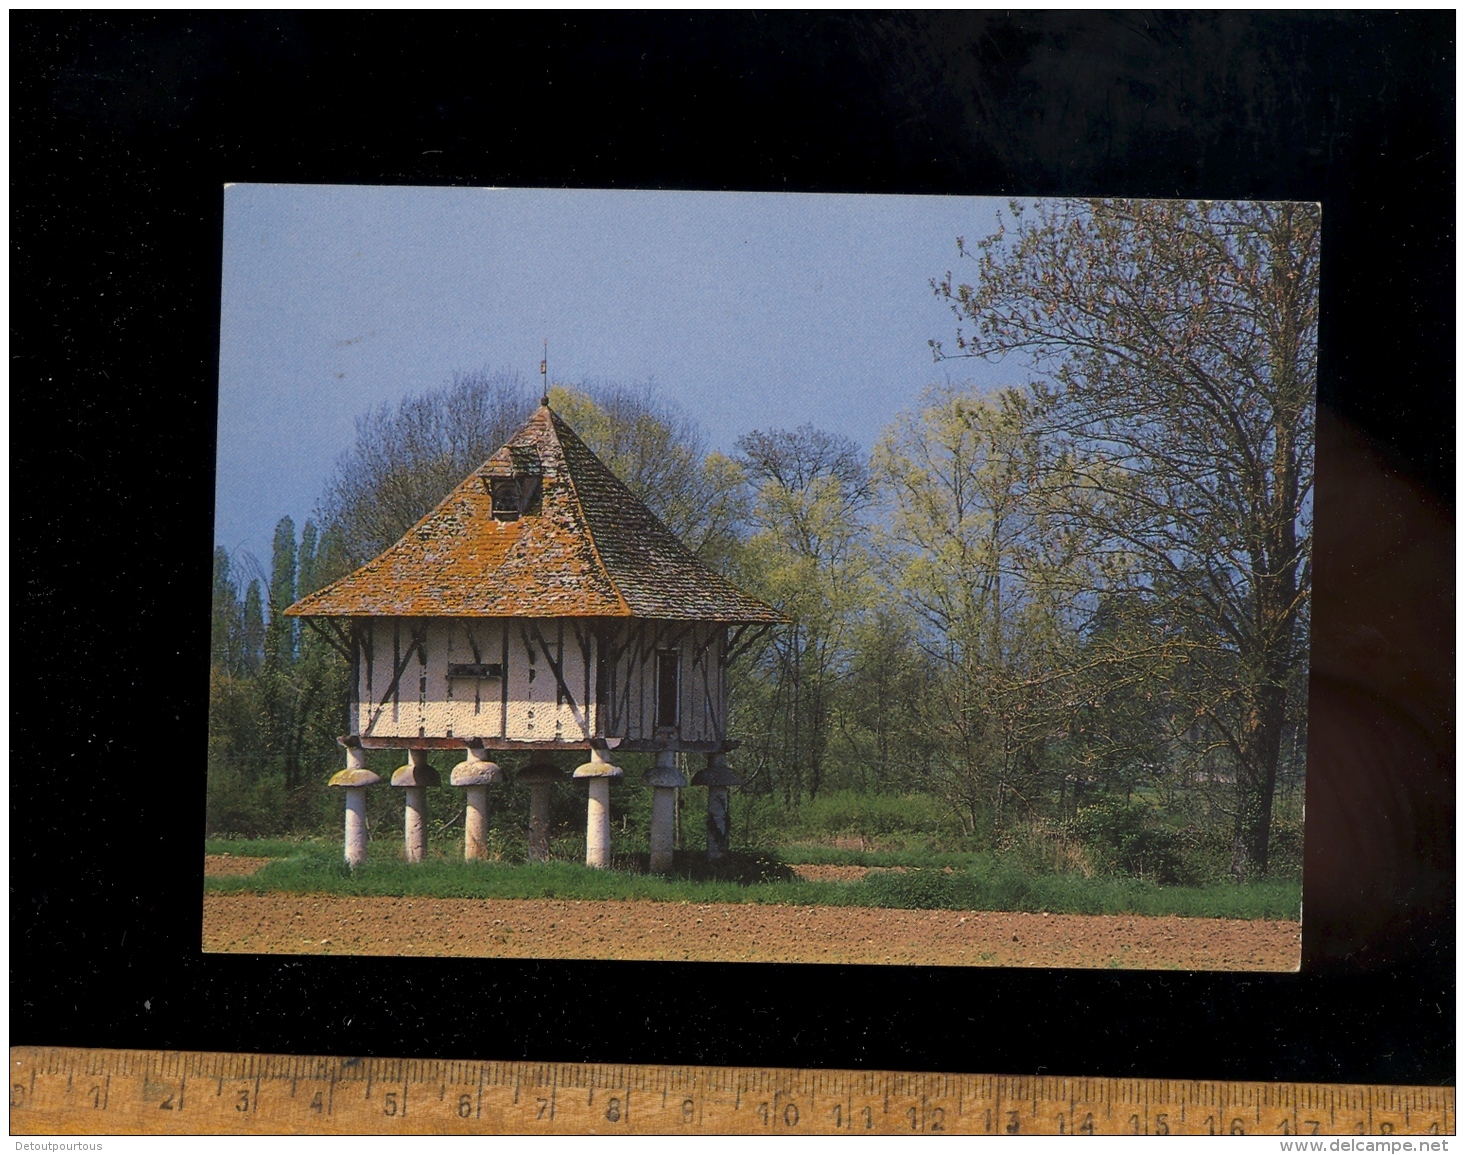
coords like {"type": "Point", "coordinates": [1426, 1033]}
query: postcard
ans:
{"type": "Point", "coordinates": [706, 576]}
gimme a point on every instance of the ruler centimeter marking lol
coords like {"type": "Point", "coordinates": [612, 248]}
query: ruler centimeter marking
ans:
{"type": "Point", "coordinates": [78, 1091]}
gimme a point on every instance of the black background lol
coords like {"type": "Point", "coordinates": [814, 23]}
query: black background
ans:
{"type": "Point", "coordinates": [124, 130]}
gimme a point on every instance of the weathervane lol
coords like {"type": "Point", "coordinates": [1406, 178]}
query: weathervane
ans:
{"type": "Point", "coordinates": [544, 372]}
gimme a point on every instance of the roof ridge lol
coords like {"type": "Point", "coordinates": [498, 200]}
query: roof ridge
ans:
{"type": "Point", "coordinates": [554, 423]}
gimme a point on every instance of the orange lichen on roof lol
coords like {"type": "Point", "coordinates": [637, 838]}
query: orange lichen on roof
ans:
{"type": "Point", "coordinates": [591, 550]}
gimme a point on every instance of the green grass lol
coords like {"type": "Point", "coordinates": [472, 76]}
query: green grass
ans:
{"type": "Point", "coordinates": [996, 886]}
{"type": "Point", "coordinates": [971, 882]}
{"type": "Point", "coordinates": [818, 854]}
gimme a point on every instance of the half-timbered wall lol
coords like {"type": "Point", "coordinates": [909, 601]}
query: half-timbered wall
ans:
{"type": "Point", "coordinates": [544, 686]}
{"type": "Point", "coordinates": [630, 699]}
{"type": "Point", "coordinates": [542, 689]}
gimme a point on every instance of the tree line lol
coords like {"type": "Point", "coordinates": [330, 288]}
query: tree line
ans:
{"type": "Point", "coordinates": [1084, 589]}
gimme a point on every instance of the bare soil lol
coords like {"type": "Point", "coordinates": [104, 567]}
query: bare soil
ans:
{"type": "Point", "coordinates": [224, 865]}
{"type": "Point", "coordinates": [558, 928]}
{"type": "Point", "coordinates": [815, 872]}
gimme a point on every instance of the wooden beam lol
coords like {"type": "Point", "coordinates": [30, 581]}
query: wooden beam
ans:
{"type": "Point", "coordinates": [638, 746]}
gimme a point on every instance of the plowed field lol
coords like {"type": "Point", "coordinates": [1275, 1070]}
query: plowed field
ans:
{"type": "Point", "coordinates": [555, 928]}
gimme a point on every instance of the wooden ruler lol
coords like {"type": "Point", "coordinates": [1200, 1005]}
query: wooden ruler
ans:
{"type": "Point", "coordinates": [55, 1091]}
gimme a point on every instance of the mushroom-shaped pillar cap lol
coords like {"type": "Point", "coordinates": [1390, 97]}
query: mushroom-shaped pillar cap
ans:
{"type": "Point", "coordinates": [717, 773]}
{"type": "Point", "coordinates": [419, 775]}
{"type": "Point", "coordinates": [473, 772]}
{"type": "Point", "coordinates": [598, 767]}
{"type": "Point", "coordinates": [598, 770]}
{"type": "Point", "coordinates": [355, 776]}
{"type": "Point", "coordinates": [539, 773]}
{"type": "Point", "coordinates": [664, 776]}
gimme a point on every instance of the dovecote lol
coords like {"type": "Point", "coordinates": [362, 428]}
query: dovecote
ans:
{"type": "Point", "coordinates": [540, 607]}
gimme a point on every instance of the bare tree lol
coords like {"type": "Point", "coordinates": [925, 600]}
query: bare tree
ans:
{"type": "Point", "coordinates": [1175, 347]}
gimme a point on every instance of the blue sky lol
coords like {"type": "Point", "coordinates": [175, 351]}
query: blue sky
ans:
{"type": "Point", "coordinates": [749, 310]}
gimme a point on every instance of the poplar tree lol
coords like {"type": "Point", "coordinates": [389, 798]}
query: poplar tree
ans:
{"type": "Point", "coordinates": [253, 628]}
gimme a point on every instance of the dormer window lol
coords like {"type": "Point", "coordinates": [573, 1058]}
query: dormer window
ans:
{"type": "Point", "coordinates": [514, 497]}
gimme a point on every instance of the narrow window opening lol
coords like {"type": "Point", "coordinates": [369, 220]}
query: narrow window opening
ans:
{"type": "Point", "coordinates": [668, 683]}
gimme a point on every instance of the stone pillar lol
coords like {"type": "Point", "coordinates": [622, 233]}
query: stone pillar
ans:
{"type": "Point", "coordinates": [598, 773]}
{"type": "Point", "coordinates": [597, 823]}
{"type": "Point", "coordinates": [540, 776]}
{"type": "Point", "coordinates": [665, 780]}
{"type": "Point", "coordinates": [474, 775]}
{"type": "Point", "coordinates": [354, 780]}
{"type": "Point", "coordinates": [717, 778]}
{"type": "Point", "coordinates": [415, 778]}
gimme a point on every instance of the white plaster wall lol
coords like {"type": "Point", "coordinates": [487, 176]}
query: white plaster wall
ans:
{"type": "Point", "coordinates": [440, 713]}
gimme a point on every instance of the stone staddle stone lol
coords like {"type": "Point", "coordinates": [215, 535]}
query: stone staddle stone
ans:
{"type": "Point", "coordinates": [475, 776]}
{"type": "Point", "coordinates": [410, 775]}
{"type": "Point", "coordinates": [665, 780]}
{"type": "Point", "coordinates": [472, 772]}
{"type": "Point", "coordinates": [716, 774]}
{"type": "Point", "coordinates": [539, 774]}
{"type": "Point", "coordinates": [354, 780]}
{"type": "Point", "coordinates": [598, 767]}
{"type": "Point", "coordinates": [539, 777]}
{"type": "Point", "coordinates": [599, 772]}
{"type": "Point", "coordinates": [354, 776]}
{"type": "Point", "coordinates": [717, 777]}
{"type": "Point", "coordinates": [667, 777]}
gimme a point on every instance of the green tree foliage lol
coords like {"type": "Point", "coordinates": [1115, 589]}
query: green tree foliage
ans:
{"type": "Point", "coordinates": [1175, 352]}
{"type": "Point", "coordinates": [276, 693]}
{"type": "Point", "coordinates": [880, 740]}
{"type": "Point", "coordinates": [281, 632]}
{"type": "Point", "coordinates": [253, 628]}
{"type": "Point", "coordinates": [987, 574]}
{"type": "Point", "coordinates": [805, 553]}
{"type": "Point", "coordinates": [226, 635]}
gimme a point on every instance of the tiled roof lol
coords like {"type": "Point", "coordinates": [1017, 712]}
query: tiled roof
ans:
{"type": "Point", "coordinates": [592, 550]}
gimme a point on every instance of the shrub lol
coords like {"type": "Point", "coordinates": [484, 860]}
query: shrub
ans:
{"type": "Point", "coordinates": [1126, 837]}
{"type": "Point", "coordinates": [891, 820]}
{"type": "Point", "coordinates": [1046, 848]}
{"type": "Point", "coordinates": [250, 808]}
